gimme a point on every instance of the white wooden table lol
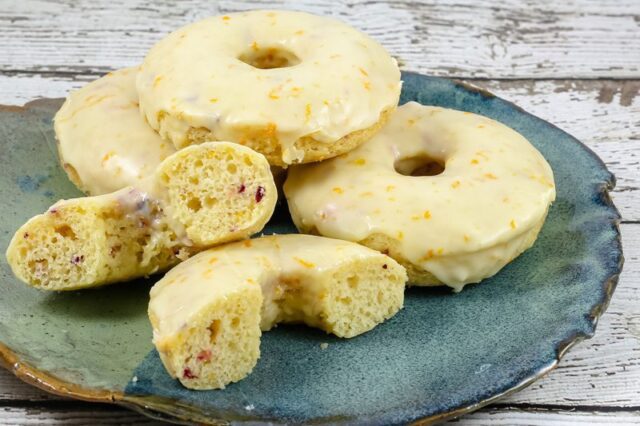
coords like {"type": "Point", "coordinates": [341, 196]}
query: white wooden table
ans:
{"type": "Point", "coordinates": [573, 62]}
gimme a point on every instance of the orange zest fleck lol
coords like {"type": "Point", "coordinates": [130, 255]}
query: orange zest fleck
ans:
{"type": "Point", "coordinates": [363, 72]}
{"type": "Point", "coordinates": [226, 18]}
{"type": "Point", "coordinates": [359, 162]}
{"type": "Point", "coordinates": [305, 263]}
{"type": "Point", "coordinates": [338, 190]}
{"type": "Point", "coordinates": [490, 176]}
{"type": "Point", "coordinates": [367, 85]}
{"type": "Point", "coordinates": [299, 32]}
{"type": "Point", "coordinates": [254, 45]}
{"type": "Point", "coordinates": [307, 113]}
{"type": "Point", "coordinates": [474, 161]}
{"type": "Point", "coordinates": [272, 93]}
{"type": "Point", "coordinates": [157, 80]}
{"type": "Point", "coordinates": [427, 214]}
{"type": "Point", "coordinates": [213, 100]}
{"type": "Point", "coordinates": [213, 260]}
{"type": "Point", "coordinates": [466, 238]}
{"type": "Point", "coordinates": [390, 188]}
{"type": "Point", "coordinates": [513, 224]}
{"type": "Point", "coordinates": [107, 156]}
{"type": "Point", "coordinates": [247, 243]}
{"type": "Point", "coordinates": [455, 184]}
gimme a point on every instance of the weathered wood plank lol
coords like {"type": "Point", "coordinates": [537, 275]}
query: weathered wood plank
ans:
{"type": "Point", "coordinates": [604, 114]}
{"type": "Point", "coordinates": [102, 416]}
{"type": "Point", "coordinates": [508, 417]}
{"type": "Point", "coordinates": [462, 38]}
{"type": "Point", "coordinates": [97, 415]}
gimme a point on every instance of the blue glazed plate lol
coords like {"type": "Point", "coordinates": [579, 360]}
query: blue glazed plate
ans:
{"type": "Point", "coordinates": [442, 356]}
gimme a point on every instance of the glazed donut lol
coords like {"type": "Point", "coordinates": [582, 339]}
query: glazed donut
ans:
{"type": "Point", "coordinates": [484, 208]}
{"type": "Point", "coordinates": [207, 312]}
{"type": "Point", "coordinates": [198, 197]}
{"type": "Point", "coordinates": [296, 87]}
{"type": "Point", "coordinates": [104, 144]}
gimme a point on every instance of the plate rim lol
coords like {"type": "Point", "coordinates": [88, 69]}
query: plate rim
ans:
{"type": "Point", "coordinates": [155, 408]}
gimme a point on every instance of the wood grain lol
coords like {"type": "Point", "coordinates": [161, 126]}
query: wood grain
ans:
{"type": "Point", "coordinates": [461, 38]}
{"type": "Point", "coordinates": [509, 417]}
{"type": "Point", "coordinates": [72, 415]}
{"type": "Point", "coordinates": [99, 415]}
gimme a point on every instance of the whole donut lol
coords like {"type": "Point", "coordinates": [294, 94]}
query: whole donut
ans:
{"type": "Point", "coordinates": [293, 86]}
{"type": "Point", "coordinates": [451, 195]}
{"type": "Point", "coordinates": [104, 143]}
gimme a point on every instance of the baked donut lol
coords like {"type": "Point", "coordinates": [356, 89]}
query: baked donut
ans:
{"type": "Point", "coordinates": [207, 313]}
{"type": "Point", "coordinates": [452, 196]}
{"type": "Point", "coordinates": [104, 143]}
{"type": "Point", "coordinates": [198, 197]}
{"type": "Point", "coordinates": [293, 86]}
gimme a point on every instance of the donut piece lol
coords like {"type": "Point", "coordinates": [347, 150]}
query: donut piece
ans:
{"type": "Point", "coordinates": [451, 195]}
{"type": "Point", "coordinates": [207, 313]}
{"type": "Point", "coordinates": [197, 198]}
{"type": "Point", "coordinates": [296, 87]}
{"type": "Point", "coordinates": [104, 143]}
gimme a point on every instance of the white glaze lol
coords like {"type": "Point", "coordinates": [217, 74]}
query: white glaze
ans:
{"type": "Point", "coordinates": [462, 225]}
{"type": "Point", "coordinates": [188, 288]}
{"type": "Point", "coordinates": [103, 136]}
{"type": "Point", "coordinates": [342, 84]}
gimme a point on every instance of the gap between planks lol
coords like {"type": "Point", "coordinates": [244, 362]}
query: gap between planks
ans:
{"type": "Point", "coordinates": [105, 415]}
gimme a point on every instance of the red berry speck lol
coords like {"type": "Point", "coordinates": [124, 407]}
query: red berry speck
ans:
{"type": "Point", "coordinates": [242, 188]}
{"type": "Point", "coordinates": [384, 266]}
{"type": "Point", "coordinates": [204, 355]}
{"type": "Point", "coordinates": [26, 235]}
{"type": "Point", "coordinates": [188, 374]}
{"type": "Point", "coordinates": [260, 194]}
{"type": "Point", "coordinates": [77, 259]}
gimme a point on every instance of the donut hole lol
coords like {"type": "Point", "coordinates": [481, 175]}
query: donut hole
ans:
{"type": "Point", "coordinates": [420, 165]}
{"type": "Point", "coordinates": [269, 58]}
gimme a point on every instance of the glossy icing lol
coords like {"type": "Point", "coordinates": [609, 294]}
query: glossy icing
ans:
{"type": "Point", "coordinates": [267, 261]}
{"type": "Point", "coordinates": [461, 225]}
{"type": "Point", "coordinates": [103, 136]}
{"type": "Point", "coordinates": [341, 81]}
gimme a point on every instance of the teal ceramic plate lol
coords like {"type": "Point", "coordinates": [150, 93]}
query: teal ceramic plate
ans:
{"type": "Point", "coordinates": [443, 355]}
